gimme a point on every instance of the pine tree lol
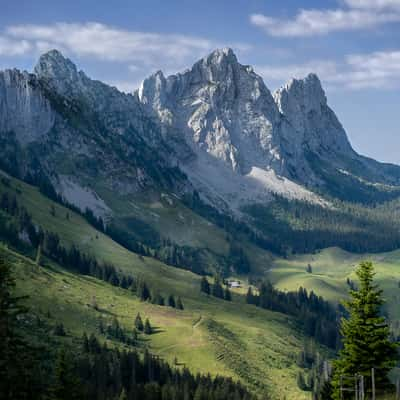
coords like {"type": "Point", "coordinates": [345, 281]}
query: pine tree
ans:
{"type": "Point", "coordinates": [143, 291]}
{"type": "Point", "coordinates": [204, 285]}
{"type": "Point", "coordinates": [250, 298]}
{"type": "Point", "coordinates": [85, 343]}
{"type": "Point", "coordinates": [179, 304]}
{"type": "Point", "coordinates": [123, 395]}
{"type": "Point", "coordinates": [94, 345]}
{"type": "Point", "coordinates": [171, 301]}
{"type": "Point", "coordinates": [59, 330]}
{"type": "Point", "coordinates": [156, 298]}
{"type": "Point", "coordinates": [66, 386]}
{"type": "Point", "coordinates": [301, 382]}
{"type": "Point", "coordinates": [139, 323]}
{"type": "Point", "coordinates": [16, 357]}
{"type": "Point", "coordinates": [147, 327]}
{"type": "Point", "coordinates": [326, 391]}
{"type": "Point", "coordinates": [366, 343]}
{"type": "Point", "coordinates": [217, 290]}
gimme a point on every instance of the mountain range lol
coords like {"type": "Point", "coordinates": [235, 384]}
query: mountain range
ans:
{"type": "Point", "coordinates": [214, 132]}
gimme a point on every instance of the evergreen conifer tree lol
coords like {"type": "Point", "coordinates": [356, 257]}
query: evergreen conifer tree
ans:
{"type": "Point", "coordinates": [123, 395]}
{"type": "Point", "coordinates": [366, 342]}
{"type": "Point", "coordinates": [59, 329]}
{"type": "Point", "coordinates": [217, 289]}
{"type": "Point", "coordinates": [66, 386]}
{"type": "Point", "coordinates": [179, 304]}
{"type": "Point", "coordinates": [147, 327]}
{"type": "Point", "coordinates": [171, 301]}
{"type": "Point", "coordinates": [18, 371]}
{"type": "Point", "coordinates": [204, 285]}
{"type": "Point", "coordinates": [250, 298]}
{"type": "Point", "coordinates": [227, 295]}
{"type": "Point", "coordinates": [139, 323]}
{"type": "Point", "coordinates": [143, 291]}
{"type": "Point", "coordinates": [85, 343]}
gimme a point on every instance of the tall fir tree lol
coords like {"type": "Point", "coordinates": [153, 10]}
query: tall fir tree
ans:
{"type": "Point", "coordinates": [66, 385]}
{"type": "Point", "coordinates": [204, 285]}
{"type": "Point", "coordinates": [19, 375]}
{"type": "Point", "coordinates": [139, 323]}
{"type": "Point", "coordinates": [217, 289]}
{"type": "Point", "coordinates": [227, 295]}
{"type": "Point", "coordinates": [366, 335]}
{"type": "Point", "coordinates": [179, 304]}
{"type": "Point", "coordinates": [147, 327]}
{"type": "Point", "coordinates": [171, 301]}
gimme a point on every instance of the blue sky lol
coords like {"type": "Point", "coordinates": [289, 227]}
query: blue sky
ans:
{"type": "Point", "coordinates": [353, 45]}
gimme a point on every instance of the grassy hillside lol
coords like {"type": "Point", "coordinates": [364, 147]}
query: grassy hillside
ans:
{"type": "Point", "coordinates": [210, 335]}
{"type": "Point", "coordinates": [330, 270]}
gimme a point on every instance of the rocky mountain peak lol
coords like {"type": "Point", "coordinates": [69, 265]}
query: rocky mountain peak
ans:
{"type": "Point", "coordinates": [53, 65]}
{"type": "Point", "coordinates": [221, 66]}
{"type": "Point", "coordinates": [301, 95]}
{"type": "Point", "coordinates": [60, 75]}
{"type": "Point", "coordinates": [312, 123]}
{"type": "Point", "coordinates": [220, 57]}
{"type": "Point", "coordinates": [221, 107]}
{"type": "Point", "coordinates": [151, 88]}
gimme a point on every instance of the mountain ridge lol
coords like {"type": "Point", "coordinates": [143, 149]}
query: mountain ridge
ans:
{"type": "Point", "coordinates": [213, 134]}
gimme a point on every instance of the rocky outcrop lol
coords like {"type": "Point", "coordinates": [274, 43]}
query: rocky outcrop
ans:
{"type": "Point", "coordinates": [313, 124]}
{"type": "Point", "coordinates": [24, 110]}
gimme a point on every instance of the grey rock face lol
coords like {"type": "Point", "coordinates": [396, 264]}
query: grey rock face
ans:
{"type": "Point", "coordinates": [221, 107]}
{"type": "Point", "coordinates": [313, 124]}
{"type": "Point", "coordinates": [23, 108]}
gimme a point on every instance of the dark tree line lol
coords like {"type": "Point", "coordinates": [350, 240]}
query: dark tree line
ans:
{"type": "Point", "coordinates": [216, 289]}
{"type": "Point", "coordinates": [303, 227]}
{"type": "Point", "coordinates": [104, 373]}
{"type": "Point", "coordinates": [238, 258]}
{"type": "Point", "coordinates": [316, 374]}
{"type": "Point", "coordinates": [317, 318]}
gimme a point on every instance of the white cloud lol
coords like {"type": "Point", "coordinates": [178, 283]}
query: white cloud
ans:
{"type": "Point", "coordinates": [11, 47]}
{"type": "Point", "coordinates": [378, 70]}
{"type": "Point", "coordinates": [358, 15]}
{"type": "Point", "coordinates": [113, 44]}
{"type": "Point", "coordinates": [373, 4]}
